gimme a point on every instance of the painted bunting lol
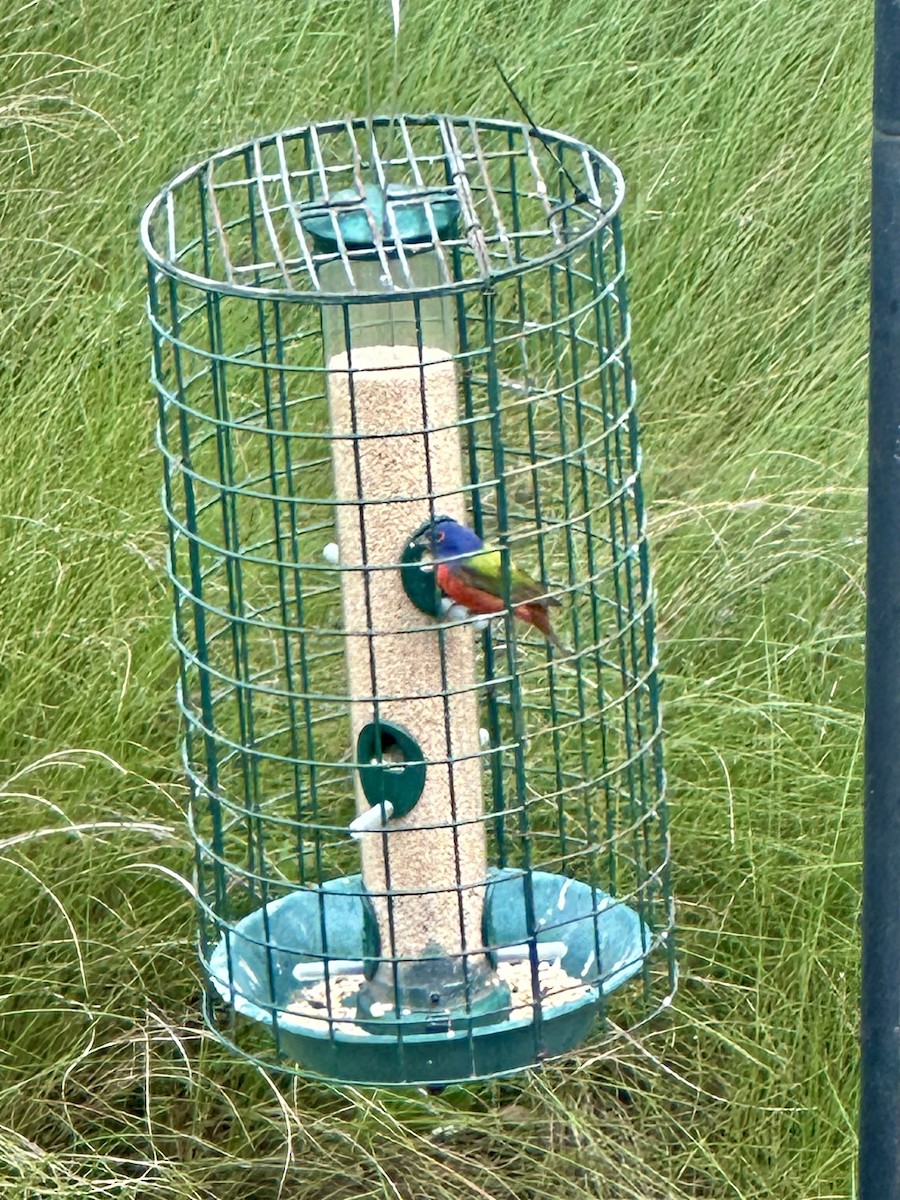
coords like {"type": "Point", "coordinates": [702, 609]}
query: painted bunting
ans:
{"type": "Point", "coordinates": [471, 574]}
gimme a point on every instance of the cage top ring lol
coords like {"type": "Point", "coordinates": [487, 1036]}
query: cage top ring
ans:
{"type": "Point", "coordinates": [269, 218]}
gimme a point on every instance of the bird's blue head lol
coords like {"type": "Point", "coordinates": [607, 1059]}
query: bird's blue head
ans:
{"type": "Point", "coordinates": [447, 538]}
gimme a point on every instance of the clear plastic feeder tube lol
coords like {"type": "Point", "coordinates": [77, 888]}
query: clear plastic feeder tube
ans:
{"type": "Point", "coordinates": [397, 456]}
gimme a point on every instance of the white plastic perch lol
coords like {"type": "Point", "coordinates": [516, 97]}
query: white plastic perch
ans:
{"type": "Point", "coordinates": [311, 972]}
{"type": "Point", "coordinates": [459, 612]}
{"type": "Point", "coordinates": [371, 820]}
{"type": "Point", "coordinates": [546, 952]}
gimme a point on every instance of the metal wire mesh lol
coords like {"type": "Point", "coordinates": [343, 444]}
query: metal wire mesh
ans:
{"type": "Point", "coordinates": [564, 780]}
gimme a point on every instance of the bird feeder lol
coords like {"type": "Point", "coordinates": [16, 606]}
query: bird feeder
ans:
{"type": "Point", "coordinates": [430, 842]}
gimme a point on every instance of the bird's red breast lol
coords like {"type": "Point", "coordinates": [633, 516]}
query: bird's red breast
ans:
{"type": "Point", "coordinates": [482, 603]}
{"type": "Point", "coordinates": [476, 600]}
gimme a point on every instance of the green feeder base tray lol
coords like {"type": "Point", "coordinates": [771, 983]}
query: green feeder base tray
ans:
{"type": "Point", "coordinates": [255, 981]}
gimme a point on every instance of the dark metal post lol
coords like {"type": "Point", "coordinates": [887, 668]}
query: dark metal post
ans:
{"type": "Point", "coordinates": [879, 1122]}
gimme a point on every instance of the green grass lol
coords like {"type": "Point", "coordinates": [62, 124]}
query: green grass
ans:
{"type": "Point", "coordinates": [743, 134]}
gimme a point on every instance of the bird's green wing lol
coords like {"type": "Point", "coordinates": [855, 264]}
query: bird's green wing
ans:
{"type": "Point", "coordinates": [485, 570]}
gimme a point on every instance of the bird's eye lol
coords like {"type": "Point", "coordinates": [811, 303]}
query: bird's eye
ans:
{"type": "Point", "coordinates": [441, 535]}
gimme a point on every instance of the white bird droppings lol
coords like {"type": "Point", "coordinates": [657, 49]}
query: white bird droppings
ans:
{"type": "Point", "coordinates": [251, 975]}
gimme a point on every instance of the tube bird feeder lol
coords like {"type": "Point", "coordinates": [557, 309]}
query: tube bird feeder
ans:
{"type": "Point", "coordinates": [430, 840]}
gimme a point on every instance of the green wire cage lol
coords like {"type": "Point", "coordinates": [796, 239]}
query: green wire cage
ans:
{"type": "Point", "coordinates": [430, 840]}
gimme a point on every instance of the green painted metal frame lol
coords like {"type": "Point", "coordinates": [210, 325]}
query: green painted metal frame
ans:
{"type": "Point", "coordinates": [543, 328]}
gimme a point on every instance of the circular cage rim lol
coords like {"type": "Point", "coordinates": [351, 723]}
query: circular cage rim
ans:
{"type": "Point", "coordinates": [605, 216]}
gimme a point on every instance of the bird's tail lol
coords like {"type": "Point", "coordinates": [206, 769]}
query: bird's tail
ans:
{"type": "Point", "coordinates": [538, 616]}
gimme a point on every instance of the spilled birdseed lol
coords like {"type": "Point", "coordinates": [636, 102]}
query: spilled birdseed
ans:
{"type": "Point", "coordinates": [556, 986]}
{"type": "Point", "coordinates": [310, 1006]}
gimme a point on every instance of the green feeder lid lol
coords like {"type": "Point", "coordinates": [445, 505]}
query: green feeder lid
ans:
{"type": "Point", "coordinates": [355, 215]}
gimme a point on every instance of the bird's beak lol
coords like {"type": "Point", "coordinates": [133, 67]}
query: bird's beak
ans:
{"type": "Point", "coordinates": [425, 534]}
